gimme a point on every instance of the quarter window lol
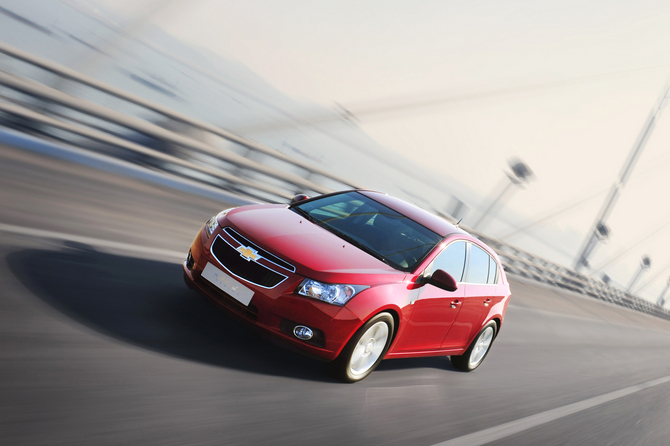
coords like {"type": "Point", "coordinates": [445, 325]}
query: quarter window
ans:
{"type": "Point", "coordinates": [493, 271]}
{"type": "Point", "coordinates": [478, 267]}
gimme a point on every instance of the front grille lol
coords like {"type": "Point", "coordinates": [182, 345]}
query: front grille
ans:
{"type": "Point", "coordinates": [248, 270]}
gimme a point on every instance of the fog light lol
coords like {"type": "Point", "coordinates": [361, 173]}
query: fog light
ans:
{"type": "Point", "coordinates": [302, 332]}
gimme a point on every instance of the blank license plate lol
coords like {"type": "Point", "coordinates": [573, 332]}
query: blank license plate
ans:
{"type": "Point", "coordinates": [227, 284]}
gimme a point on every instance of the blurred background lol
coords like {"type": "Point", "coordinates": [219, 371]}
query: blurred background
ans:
{"type": "Point", "coordinates": [125, 125]}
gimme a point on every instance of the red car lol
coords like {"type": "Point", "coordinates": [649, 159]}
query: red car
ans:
{"type": "Point", "coordinates": [353, 277]}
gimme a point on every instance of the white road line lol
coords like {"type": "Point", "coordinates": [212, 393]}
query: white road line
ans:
{"type": "Point", "coordinates": [520, 425]}
{"type": "Point", "coordinates": [162, 253]}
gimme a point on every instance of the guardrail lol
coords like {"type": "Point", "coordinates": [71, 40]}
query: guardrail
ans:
{"type": "Point", "coordinates": [522, 263]}
{"type": "Point", "coordinates": [245, 175]}
{"type": "Point", "coordinates": [254, 176]}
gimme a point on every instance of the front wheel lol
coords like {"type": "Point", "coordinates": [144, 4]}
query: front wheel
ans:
{"type": "Point", "coordinates": [477, 351]}
{"type": "Point", "coordinates": [365, 350]}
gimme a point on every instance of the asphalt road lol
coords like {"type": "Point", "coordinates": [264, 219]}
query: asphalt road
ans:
{"type": "Point", "coordinates": [101, 343]}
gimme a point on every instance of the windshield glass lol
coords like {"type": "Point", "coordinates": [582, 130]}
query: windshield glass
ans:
{"type": "Point", "coordinates": [380, 231]}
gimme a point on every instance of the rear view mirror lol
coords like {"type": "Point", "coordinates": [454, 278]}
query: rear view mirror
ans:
{"type": "Point", "coordinates": [443, 280]}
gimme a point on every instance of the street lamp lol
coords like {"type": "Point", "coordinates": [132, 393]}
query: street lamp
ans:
{"type": "Point", "coordinates": [661, 299]}
{"type": "Point", "coordinates": [520, 174]}
{"type": "Point", "coordinates": [644, 265]}
{"type": "Point", "coordinates": [597, 235]}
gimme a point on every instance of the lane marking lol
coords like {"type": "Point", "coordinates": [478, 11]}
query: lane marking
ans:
{"type": "Point", "coordinates": [158, 252]}
{"type": "Point", "coordinates": [505, 430]}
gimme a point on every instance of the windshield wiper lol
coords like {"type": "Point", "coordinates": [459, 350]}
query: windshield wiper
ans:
{"type": "Point", "coordinates": [304, 214]}
{"type": "Point", "coordinates": [362, 247]}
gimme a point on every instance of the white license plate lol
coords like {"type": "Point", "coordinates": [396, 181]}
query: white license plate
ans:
{"type": "Point", "coordinates": [227, 284]}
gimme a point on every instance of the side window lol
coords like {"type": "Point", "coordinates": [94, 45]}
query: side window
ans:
{"type": "Point", "coordinates": [493, 271]}
{"type": "Point", "coordinates": [451, 260]}
{"type": "Point", "coordinates": [478, 267]}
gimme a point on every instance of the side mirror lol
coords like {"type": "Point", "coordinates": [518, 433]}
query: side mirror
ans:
{"type": "Point", "coordinates": [298, 198]}
{"type": "Point", "coordinates": [443, 280]}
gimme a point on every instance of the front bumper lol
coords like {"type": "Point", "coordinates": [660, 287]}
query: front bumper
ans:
{"type": "Point", "coordinates": [274, 311]}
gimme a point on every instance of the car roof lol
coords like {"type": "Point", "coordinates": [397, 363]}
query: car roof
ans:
{"type": "Point", "coordinates": [421, 216]}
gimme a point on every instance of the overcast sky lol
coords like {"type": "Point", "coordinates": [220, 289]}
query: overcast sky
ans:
{"type": "Point", "coordinates": [565, 86]}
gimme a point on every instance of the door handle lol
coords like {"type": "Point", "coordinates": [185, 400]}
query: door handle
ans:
{"type": "Point", "coordinates": [487, 302]}
{"type": "Point", "coordinates": [454, 303]}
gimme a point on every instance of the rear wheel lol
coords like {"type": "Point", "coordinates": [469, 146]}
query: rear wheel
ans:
{"type": "Point", "coordinates": [477, 351]}
{"type": "Point", "coordinates": [365, 350]}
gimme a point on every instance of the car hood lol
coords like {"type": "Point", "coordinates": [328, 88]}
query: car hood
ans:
{"type": "Point", "coordinates": [316, 252]}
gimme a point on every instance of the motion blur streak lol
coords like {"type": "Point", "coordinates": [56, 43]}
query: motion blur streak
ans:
{"type": "Point", "coordinates": [91, 241]}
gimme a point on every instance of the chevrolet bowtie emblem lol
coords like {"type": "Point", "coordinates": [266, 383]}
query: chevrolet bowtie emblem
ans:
{"type": "Point", "coordinates": [248, 253]}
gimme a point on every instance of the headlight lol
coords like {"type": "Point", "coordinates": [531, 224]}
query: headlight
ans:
{"type": "Point", "coordinates": [333, 294]}
{"type": "Point", "coordinates": [213, 222]}
{"type": "Point", "coordinates": [211, 225]}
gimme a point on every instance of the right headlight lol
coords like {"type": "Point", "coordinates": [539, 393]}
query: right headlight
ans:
{"type": "Point", "coordinates": [213, 222]}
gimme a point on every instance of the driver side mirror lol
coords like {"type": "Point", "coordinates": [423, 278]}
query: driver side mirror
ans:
{"type": "Point", "coordinates": [298, 198]}
{"type": "Point", "coordinates": [442, 280]}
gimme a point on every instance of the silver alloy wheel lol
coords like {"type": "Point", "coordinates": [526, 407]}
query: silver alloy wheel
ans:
{"type": "Point", "coordinates": [481, 346]}
{"type": "Point", "coordinates": [368, 349]}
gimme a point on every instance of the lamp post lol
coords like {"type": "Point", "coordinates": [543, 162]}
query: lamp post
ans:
{"type": "Point", "coordinates": [606, 279]}
{"type": "Point", "coordinates": [519, 175]}
{"type": "Point", "coordinates": [661, 299]}
{"type": "Point", "coordinates": [644, 265]}
{"type": "Point", "coordinates": [601, 231]}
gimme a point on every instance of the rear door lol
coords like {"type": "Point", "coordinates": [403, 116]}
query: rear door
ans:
{"type": "Point", "coordinates": [481, 277]}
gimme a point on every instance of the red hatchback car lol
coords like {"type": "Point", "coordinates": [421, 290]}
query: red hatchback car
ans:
{"type": "Point", "coordinates": [354, 277]}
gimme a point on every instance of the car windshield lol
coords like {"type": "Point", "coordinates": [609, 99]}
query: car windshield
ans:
{"type": "Point", "coordinates": [378, 230]}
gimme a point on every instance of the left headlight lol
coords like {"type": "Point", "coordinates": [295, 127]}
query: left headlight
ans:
{"type": "Point", "coordinates": [213, 222]}
{"type": "Point", "coordinates": [332, 293]}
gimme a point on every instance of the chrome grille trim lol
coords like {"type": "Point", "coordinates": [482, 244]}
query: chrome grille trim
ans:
{"type": "Point", "coordinates": [238, 275]}
{"type": "Point", "coordinates": [264, 253]}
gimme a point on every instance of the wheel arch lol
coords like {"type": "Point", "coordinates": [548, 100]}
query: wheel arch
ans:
{"type": "Point", "coordinates": [390, 310]}
{"type": "Point", "coordinates": [498, 322]}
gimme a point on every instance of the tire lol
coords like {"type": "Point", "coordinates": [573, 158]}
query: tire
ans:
{"type": "Point", "coordinates": [365, 350]}
{"type": "Point", "coordinates": [477, 351]}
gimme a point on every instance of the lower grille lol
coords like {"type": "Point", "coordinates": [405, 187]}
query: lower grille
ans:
{"type": "Point", "coordinates": [248, 270]}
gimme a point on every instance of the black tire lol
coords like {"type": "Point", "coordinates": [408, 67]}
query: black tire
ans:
{"type": "Point", "coordinates": [354, 364]}
{"type": "Point", "coordinates": [473, 357]}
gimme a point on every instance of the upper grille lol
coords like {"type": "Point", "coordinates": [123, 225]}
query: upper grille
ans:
{"type": "Point", "coordinates": [268, 256]}
{"type": "Point", "coordinates": [248, 270]}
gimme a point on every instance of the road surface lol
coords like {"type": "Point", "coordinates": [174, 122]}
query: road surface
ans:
{"type": "Point", "coordinates": [102, 343]}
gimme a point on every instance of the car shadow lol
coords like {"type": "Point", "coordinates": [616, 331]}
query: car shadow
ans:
{"type": "Point", "coordinates": [434, 362]}
{"type": "Point", "coordinates": [146, 303]}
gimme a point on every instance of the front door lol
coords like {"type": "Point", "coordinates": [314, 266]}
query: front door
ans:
{"type": "Point", "coordinates": [434, 309]}
{"type": "Point", "coordinates": [433, 313]}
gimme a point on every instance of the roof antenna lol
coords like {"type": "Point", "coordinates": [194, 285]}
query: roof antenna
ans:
{"type": "Point", "coordinates": [459, 221]}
